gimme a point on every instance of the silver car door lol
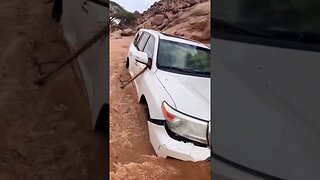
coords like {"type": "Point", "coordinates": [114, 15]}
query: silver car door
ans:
{"type": "Point", "coordinates": [94, 62]}
{"type": "Point", "coordinates": [81, 20]}
{"type": "Point", "coordinates": [71, 22]}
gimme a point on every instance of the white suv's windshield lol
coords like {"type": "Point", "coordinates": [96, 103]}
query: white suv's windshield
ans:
{"type": "Point", "coordinates": [290, 20]}
{"type": "Point", "coordinates": [183, 58]}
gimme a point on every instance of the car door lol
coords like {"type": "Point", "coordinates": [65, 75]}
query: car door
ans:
{"type": "Point", "coordinates": [149, 49]}
{"type": "Point", "coordinates": [81, 21]}
{"type": "Point", "coordinates": [133, 47]}
{"type": "Point", "coordinates": [134, 65]}
{"type": "Point", "coordinates": [94, 62]}
{"type": "Point", "coordinates": [71, 22]}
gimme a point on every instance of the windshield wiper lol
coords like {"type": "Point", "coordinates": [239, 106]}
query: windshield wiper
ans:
{"type": "Point", "coordinates": [176, 69]}
{"type": "Point", "coordinates": [184, 70]}
{"type": "Point", "coordinates": [302, 36]}
{"type": "Point", "coordinates": [220, 25]}
{"type": "Point", "coordinates": [225, 26]}
{"type": "Point", "coordinates": [202, 72]}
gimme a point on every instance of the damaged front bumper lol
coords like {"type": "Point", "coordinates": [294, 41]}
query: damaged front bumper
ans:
{"type": "Point", "coordinates": [166, 146]}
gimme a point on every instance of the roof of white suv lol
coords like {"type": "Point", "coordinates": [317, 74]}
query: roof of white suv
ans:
{"type": "Point", "coordinates": [175, 38]}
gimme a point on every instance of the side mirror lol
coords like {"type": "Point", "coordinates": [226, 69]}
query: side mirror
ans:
{"type": "Point", "coordinates": [141, 57]}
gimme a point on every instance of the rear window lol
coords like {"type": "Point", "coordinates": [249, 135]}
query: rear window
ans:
{"type": "Point", "coordinates": [136, 39]}
{"type": "Point", "coordinates": [142, 42]}
{"type": "Point", "coordinates": [150, 47]}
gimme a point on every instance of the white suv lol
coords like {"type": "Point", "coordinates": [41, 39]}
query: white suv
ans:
{"type": "Point", "coordinates": [176, 89]}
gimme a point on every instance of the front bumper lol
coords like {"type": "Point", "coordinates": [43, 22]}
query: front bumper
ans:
{"type": "Point", "coordinates": [165, 146]}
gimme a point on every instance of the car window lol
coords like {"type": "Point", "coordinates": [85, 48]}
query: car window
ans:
{"type": "Point", "coordinates": [183, 58]}
{"type": "Point", "coordinates": [142, 41]}
{"type": "Point", "coordinates": [149, 49]}
{"type": "Point", "coordinates": [136, 39]}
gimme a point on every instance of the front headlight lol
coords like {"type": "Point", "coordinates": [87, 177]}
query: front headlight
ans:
{"type": "Point", "coordinates": [184, 125]}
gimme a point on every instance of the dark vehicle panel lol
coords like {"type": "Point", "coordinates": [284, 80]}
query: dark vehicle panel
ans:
{"type": "Point", "coordinates": [266, 87]}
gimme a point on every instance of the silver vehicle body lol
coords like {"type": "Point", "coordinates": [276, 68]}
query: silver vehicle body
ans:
{"type": "Point", "coordinates": [81, 20]}
{"type": "Point", "coordinates": [265, 95]}
{"type": "Point", "coordinates": [267, 102]}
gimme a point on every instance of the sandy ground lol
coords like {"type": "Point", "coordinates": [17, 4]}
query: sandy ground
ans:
{"type": "Point", "coordinates": [45, 132]}
{"type": "Point", "coordinates": [131, 153]}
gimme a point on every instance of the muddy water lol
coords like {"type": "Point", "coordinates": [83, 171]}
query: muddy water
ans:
{"type": "Point", "coordinates": [131, 153]}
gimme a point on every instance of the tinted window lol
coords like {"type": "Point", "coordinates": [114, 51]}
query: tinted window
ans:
{"type": "Point", "coordinates": [143, 40]}
{"type": "Point", "coordinates": [136, 39]}
{"type": "Point", "coordinates": [150, 47]}
{"type": "Point", "coordinates": [294, 20]}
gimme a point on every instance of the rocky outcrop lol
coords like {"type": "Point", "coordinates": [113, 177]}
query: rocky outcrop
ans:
{"type": "Point", "coordinates": [169, 6]}
{"type": "Point", "coordinates": [158, 19]}
{"type": "Point", "coordinates": [188, 18]}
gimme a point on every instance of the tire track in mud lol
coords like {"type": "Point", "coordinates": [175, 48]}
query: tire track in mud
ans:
{"type": "Point", "coordinates": [131, 153]}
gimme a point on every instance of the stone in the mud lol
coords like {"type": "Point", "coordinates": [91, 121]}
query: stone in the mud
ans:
{"type": "Point", "coordinates": [127, 32]}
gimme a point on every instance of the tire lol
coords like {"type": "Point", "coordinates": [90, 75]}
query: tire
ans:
{"type": "Point", "coordinates": [103, 119]}
{"type": "Point", "coordinates": [145, 107]}
{"type": "Point", "coordinates": [146, 111]}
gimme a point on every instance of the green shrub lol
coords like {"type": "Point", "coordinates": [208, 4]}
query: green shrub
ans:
{"type": "Point", "coordinates": [118, 12]}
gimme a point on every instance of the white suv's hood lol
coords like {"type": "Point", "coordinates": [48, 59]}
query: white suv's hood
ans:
{"type": "Point", "coordinates": [190, 94]}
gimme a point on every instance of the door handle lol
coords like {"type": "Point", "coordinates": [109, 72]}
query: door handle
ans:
{"type": "Point", "coordinates": [136, 63]}
{"type": "Point", "coordinates": [84, 7]}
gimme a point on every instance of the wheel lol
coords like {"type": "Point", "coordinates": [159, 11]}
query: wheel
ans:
{"type": "Point", "coordinates": [145, 107]}
{"type": "Point", "coordinates": [103, 118]}
{"type": "Point", "coordinates": [146, 111]}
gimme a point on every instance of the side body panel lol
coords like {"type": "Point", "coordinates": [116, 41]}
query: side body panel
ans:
{"type": "Point", "coordinates": [265, 108]}
{"type": "Point", "coordinates": [79, 26]}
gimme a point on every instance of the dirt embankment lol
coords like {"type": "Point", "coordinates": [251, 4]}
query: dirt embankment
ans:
{"type": "Point", "coordinates": [45, 132]}
{"type": "Point", "coordinates": [190, 18]}
{"type": "Point", "coordinates": [131, 153]}
{"type": "Point", "coordinates": [186, 18]}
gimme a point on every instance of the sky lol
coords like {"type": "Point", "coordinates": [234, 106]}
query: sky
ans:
{"type": "Point", "coordinates": [133, 5]}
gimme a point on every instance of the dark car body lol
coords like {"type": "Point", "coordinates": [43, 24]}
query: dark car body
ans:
{"type": "Point", "coordinates": [265, 90]}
